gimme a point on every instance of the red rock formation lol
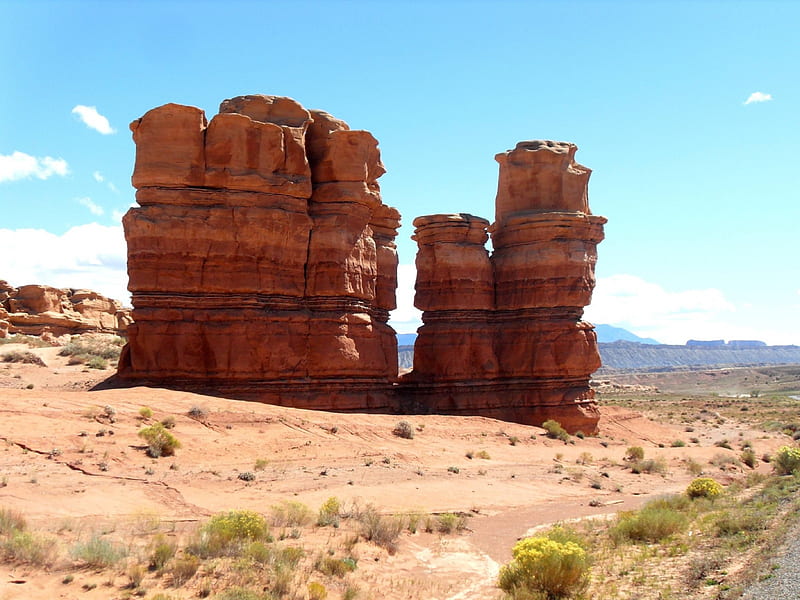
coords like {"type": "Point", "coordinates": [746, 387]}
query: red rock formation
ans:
{"type": "Point", "coordinates": [262, 265]}
{"type": "Point", "coordinates": [40, 309]}
{"type": "Point", "coordinates": [502, 335]}
{"type": "Point", "coordinates": [261, 259]}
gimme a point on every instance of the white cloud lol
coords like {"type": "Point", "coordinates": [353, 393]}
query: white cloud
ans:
{"type": "Point", "coordinates": [758, 97]}
{"type": "Point", "coordinates": [670, 317]}
{"type": "Point", "coordinates": [406, 318]}
{"type": "Point", "coordinates": [95, 209]}
{"type": "Point", "coordinates": [100, 178]}
{"type": "Point", "coordinates": [19, 165]}
{"type": "Point", "coordinates": [87, 256]}
{"type": "Point", "coordinates": [93, 119]}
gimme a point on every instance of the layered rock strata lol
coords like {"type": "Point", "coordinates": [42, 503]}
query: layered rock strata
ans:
{"type": "Point", "coordinates": [502, 334]}
{"type": "Point", "coordinates": [261, 259]}
{"type": "Point", "coordinates": [45, 310]}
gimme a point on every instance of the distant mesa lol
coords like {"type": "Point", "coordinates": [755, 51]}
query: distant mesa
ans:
{"type": "Point", "coordinates": [50, 312]}
{"type": "Point", "coordinates": [262, 265]}
{"type": "Point", "coordinates": [732, 343]}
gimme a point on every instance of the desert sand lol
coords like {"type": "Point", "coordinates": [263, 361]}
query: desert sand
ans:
{"type": "Point", "coordinates": [73, 471]}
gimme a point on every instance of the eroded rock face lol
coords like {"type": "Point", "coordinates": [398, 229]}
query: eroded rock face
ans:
{"type": "Point", "coordinates": [502, 334]}
{"type": "Point", "coordinates": [261, 258]}
{"type": "Point", "coordinates": [262, 265]}
{"type": "Point", "coordinates": [42, 309]}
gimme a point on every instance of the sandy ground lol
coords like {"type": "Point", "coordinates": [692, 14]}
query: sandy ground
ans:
{"type": "Point", "coordinates": [67, 467]}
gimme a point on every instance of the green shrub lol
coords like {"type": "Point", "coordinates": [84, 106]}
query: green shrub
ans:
{"type": "Point", "coordinates": [650, 524]}
{"type": "Point", "coordinates": [748, 457]}
{"type": "Point", "coordinates": [258, 552]}
{"type": "Point", "coordinates": [145, 412]}
{"type": "Point", "coordinates": [97, 362]}
{"type": "Point", "coordinates": [226, 533]}
{"type": "Point", "coordinates": [543, 565]}
{"type": "Point", "coordinates": [730, 523]}
{"type": "Point", "coordinates": [555, 431]}
{"type": "Point", "coordinates": [98, 553]}
{"type": "Point", "coordinates": [634, 453]}
{"type": "Point", "coordinates": [183, 568]}
{"type": "Point", "coordinates": [161, 551]}
{"type": "Point", "coordinates": [404, 429]}
{"type": "Point", "coordinates": [786, 460]}
{"type": "Point", "coordinates": [450, 522]}
{"type": "Point", "coordinates": [287, 558]}
{"type": "Point", "coordinates": [703, 487]}
{"type": "Point", "coordinates": [160, 442]}
{"type": "Point", "coordinates": [329, 512]}
{"type": "Point", "coordinates": [87, 348]}
{"type": "Point", "coordinates": [335, 567]}
{"type": "Point", "coordinates": [28, 548]}
{"type": "Point", "coordinates": [678, 444]}
{"type": "Point", "coordinates": [649, 465]}
{"type": "Point", "coordinates": [241, 593]}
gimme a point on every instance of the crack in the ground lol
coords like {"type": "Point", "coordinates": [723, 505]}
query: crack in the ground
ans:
{"type": "Point", "coordinates": [177, 496]}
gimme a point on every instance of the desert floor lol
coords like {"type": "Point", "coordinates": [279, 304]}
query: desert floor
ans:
{"type": "Point", "coordinates": [73, 472]}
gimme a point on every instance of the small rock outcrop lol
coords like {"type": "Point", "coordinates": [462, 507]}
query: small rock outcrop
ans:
{"type": "Point", "coordinates": [45, 310]}
{"type": "Point", "coordinates": [261, 259]}
{"type": "Point", "coordinates": [502, 333]}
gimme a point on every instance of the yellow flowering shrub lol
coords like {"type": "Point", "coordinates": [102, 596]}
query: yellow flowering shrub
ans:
{"type": "Point", "coordinates": [786, 460]}
{"type": "Point", "coordinates": [541, 564]}
{"type": "Point", "coordinates": [227, 532]}
{"type": "Point", "coordinates": [703, 487]}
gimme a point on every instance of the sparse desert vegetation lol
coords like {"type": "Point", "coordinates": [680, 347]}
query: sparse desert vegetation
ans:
{"type": "Point", "coordinates": [268, 502]}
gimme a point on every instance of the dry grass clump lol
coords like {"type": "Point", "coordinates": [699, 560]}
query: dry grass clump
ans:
{"type": "Point", "coordinates": [23, 356]}
{"type": "Point", "coordinates": [380, 529]}
{"type": "Point", "coordinates": [18, 545]}
{"type": "Point", "coordinates": [98, 553]}
{"type": "Point", "coordinates": [291, 514]}
{"type": "Point", "coordinates": [649, 466]}
{"type": "Point", "coordinates": [404, 429]}
{"type": "Point", "coordinates": [31, 341]}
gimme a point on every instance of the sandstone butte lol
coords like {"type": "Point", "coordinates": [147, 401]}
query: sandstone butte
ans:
{"type": "Point", "coordinates": [262, 266]}
{"type": "Point", "coordinates": [50, 312]}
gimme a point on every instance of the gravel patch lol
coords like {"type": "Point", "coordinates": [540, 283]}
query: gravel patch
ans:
{"type": "Point", "coordinates": [784, 583]}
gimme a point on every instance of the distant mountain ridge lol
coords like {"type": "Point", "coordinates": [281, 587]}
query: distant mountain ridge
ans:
{"type": "Point", "coordinates": [605, 334]}
{"type": "Point", "coordinates": [609, 333]}
{"type": "Point", "coordinates": [626, 350]}
{"type": "Point", "coordinates": [632, 355]}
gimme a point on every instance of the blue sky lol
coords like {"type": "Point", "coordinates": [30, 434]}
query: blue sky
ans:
{"type": "Point", "coordinates": [698, 183]}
